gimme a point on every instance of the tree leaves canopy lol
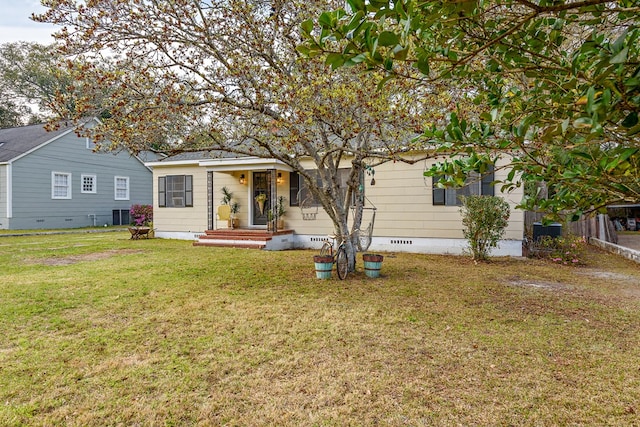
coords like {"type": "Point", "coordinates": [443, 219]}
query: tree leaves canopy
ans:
{"type": "Point", "coordinates": [226, 75]}
{"type": "Point", "coordinates": [30, 75]}
{"type": "Point", "coordinates": [558, 83]}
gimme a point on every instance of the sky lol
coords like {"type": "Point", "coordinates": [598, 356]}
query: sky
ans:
{"type": "Point", "coordinates": [15, 24]}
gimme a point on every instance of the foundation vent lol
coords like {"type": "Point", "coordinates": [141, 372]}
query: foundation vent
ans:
{"type": "Point", "coordinates": [318, 239]}
{"type": "Point", "coordinates": [402, 242]}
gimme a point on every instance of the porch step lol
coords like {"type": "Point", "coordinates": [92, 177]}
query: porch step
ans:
{"type": "Point", "coordinates": [238, 238]}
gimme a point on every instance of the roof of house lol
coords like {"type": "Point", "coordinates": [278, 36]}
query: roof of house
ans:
{"type": "Point", "coordinates": [15, 142]}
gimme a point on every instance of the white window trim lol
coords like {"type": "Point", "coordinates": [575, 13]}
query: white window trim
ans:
{"type": "Point", "coordinates": [94, 189]}
{"type": "Point", "coordinates": [53, 185]}
{"type": "Point", "coordinates": [115, 187]}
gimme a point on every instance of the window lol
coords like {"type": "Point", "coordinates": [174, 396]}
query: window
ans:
{"type": "Point", "coordinates": [299, 191]}
{"type": "Point", "coordinates": [175, 191]}
{"type": "Point", "coordinates": [88, 184]}
{"type": "Point", "coordinates": [121, 188]}
{"type": "Point", "coordinates": [475, 185]}
{"type": "Point", "coordinates": [60, 185]}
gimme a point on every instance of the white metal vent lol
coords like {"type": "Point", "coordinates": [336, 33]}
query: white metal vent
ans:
{"type": "Point", "coordinates": [402, 242]}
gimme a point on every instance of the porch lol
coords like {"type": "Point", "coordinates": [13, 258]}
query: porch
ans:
{"type": "Point", "coordinates": [247, 238]}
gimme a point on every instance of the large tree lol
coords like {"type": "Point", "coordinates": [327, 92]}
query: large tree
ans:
{"type": "Point", "coordinates": [227, 75]}
{"type": "Point", "coordinates": [11, 115]}
{"type": "Point", "coordinates": [31, 76]}
{"type": "Point", "coordinates": [559, 83]}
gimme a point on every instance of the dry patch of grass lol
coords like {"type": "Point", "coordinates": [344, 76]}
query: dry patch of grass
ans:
{"type": "Point", "coordinates": [159, 332]}
{"type": "Point", "coordinates": [73, 259]}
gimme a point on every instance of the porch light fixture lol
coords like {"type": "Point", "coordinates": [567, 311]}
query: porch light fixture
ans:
{"type": "Point", "coordinates": [279, 179]}
{"type": "Point", "coordinates": [242, 180]}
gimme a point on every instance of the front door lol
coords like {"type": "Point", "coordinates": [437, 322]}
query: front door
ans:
{"type": "Point", "coordinates": [261, 185]}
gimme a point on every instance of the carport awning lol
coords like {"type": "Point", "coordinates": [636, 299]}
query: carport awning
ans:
{"type": "Point", "coordinates": [637, 205]}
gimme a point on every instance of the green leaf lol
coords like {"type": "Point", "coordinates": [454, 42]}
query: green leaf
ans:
{"type": "Point", "coordinates": [400, 53]}
{"type": "Point", "coordinates": [619, 43]}
{"type": "Point", "coordinates": [387, 38]}
{"type": "Point", "coordinates": [382, 83]}
{"type": "Point", "coordinates": [357, 5]}
{"type": "Point", "coordinates": [582, 154]}
{"type": "Point", "coordinates": [388, 64]}
{"type": "Point", "coordinates": [622, 157]}
{"type": "Point", "coordinates": [356, 60]}
{"type": "Point", "coordinates": [423, 66]}
{"type": "Point", "coordinates": [325, 20]}
{"type": "Point", "coordinates": [621, 57]}
{"type": "Point", "coordinates": [307, 26]}
{"type": "Point", "coordinates": [335, 60]}
{"type": "Point", "coordinates": [354, 23]}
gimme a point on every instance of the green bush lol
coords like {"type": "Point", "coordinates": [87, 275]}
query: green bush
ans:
{"type": "Point", "coordinates": [484, 219]}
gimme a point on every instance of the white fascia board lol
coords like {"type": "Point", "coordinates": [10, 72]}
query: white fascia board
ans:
{"type": "Point", "coordinates": [174, 163]}
{"type": "Point", "coordinates": [244, 163]}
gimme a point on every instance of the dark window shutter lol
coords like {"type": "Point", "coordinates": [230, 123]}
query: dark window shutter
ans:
{"type": "Point", "coordinates": [487, 182]}
{"type": "Point", "coordinates": [438, 193]}
{"type": "Point", "coordinates": [294, 189]}
{"type": "Point", "coordinates": [188, 190]}
{"type": "Point", "coordinates": [162, 201]}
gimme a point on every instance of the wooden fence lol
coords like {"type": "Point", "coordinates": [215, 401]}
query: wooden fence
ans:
{"type": "Point", "coordinates": [598, 226]}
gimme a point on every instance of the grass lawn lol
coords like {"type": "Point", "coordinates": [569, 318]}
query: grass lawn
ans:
{"type": "Point", "coordinates": [97, 329]}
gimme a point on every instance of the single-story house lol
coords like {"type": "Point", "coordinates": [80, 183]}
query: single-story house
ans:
{"type": "Point", "coordinates": [56, 180]}
{"type": "Point", "coordinates": [411, 215]}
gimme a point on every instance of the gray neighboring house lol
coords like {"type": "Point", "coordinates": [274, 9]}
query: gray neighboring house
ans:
{"type": "Point", "coordinates": [56, 180]}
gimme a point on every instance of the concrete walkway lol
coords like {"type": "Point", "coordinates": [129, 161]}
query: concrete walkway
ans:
{"type": "Point", "coordinates": [631, 241]}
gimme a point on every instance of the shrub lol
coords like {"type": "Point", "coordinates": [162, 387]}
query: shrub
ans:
{"type": "Point", "coordinates": [141, 215]}
{"type": "Point", "coordinates": [484, 219]}
{"type": "Point", "coordinates": [567, 250]}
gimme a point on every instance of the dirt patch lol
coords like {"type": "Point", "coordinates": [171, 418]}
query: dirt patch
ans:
{"type": "Point", "coordinates": [95, 256]}
{"type": "Point", "coordinates": [540, 285]}
{"type": "Point", "coordinates": [608, 275]}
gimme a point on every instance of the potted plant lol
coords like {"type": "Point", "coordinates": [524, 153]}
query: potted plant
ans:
{"type": "Point", "coordinates": [260, 199]}
{"type": "Point", "coordinates": [280, 213]}
{"type": "Point", "coordinates": [224, 210]}
{"type": "Point", "coordinates": [234, 221]}
{"type": "Point", "coordinates": [227, 195]}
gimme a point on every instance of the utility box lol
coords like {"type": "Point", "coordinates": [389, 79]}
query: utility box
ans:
{"type": "Point", "coordinates": [552, 230]}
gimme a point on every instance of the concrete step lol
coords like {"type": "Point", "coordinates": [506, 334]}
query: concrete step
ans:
{"type": "Point", "coordinates": [238, 238]}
